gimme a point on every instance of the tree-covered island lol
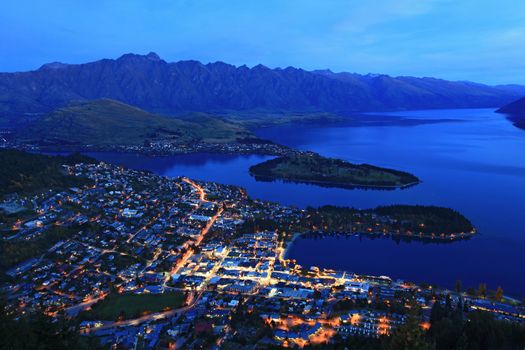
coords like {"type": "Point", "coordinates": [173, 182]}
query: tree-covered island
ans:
{"type": "Point", "coordinates": [309, 167]}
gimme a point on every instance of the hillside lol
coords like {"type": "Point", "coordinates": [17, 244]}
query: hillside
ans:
{"type": "Point", "coordinates": [27, 173]}
{"type": "Point", "coordinates": [150, 83]}
{"type": "Point", "coordinates": [108, 122]}
{"type": "Point", "coordinates": [516, 112]}
{"type": "Point", "coordinates": [516, 107]}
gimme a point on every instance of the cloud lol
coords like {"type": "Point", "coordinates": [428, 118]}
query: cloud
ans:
{"type": "Point", "coordinates": [510, 37]}
{"type": "Point", "coordinates": [361, 16]}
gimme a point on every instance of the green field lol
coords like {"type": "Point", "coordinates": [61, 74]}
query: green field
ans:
{"type": "Point", "coordinates": [128, 306]}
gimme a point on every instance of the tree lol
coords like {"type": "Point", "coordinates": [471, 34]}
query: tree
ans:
{"type": "Point", "coordinates": [448, 303]}
{"type": "Point", "coordinates": [458, 286]}
{"type": "Point", "coordinates": [462, 343]}
{"type": "Point", "coordinates": [437, 312]}
{"type": "Point", "coordinates": [458, 314]}
{"type": "Point", "coordinates": [446, 334]}
{"type": "Point", "coordinates": [40, 332]}
{"type": "Point", "coordinates": [482, 290]}
{"type": "Point", "coordinates": [499, 294]}
{"type": "Point", "coordinates": [410, 335]}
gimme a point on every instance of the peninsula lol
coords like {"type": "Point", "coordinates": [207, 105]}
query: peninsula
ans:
{"type": "Point", "coordinates": [515, 112]}
{"type": "Point", "coordinates": [410, 221]}
{"type": "Point", "coordinates": [309, 167]}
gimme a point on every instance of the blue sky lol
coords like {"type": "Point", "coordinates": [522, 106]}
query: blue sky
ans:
{"type": "Point", "coordinates": [478, 40]}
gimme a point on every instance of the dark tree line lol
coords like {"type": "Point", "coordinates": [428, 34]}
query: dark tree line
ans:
{"type": "Point", "coordinates": [427, 219]}
{"type": "Point", "coordinates": [453, 328]}
{"type": "Point", "coordinates": [39, 332]}
{"type": "Point", "coordinates": [28, 173]}
{"type": "Point", "coordinates": [414, 218]}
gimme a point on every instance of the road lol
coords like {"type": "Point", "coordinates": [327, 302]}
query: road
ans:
{"type": "Point", "coordinates": [200, 190]}
{"type": "Point", "coordinates": [72, 311]}
{"type": "Point", "coordinates": [205, 229]}
{"type": "Point", "coordinates": [146, 318]}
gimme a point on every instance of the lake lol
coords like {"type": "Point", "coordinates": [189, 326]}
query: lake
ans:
{"type": "Point", "coordinates": [472, 160]}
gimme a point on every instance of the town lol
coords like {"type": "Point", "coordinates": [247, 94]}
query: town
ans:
{"type": "Point", "coordinates": [144, 261]}
{"type": "Point", "coordinates": [159, 147]}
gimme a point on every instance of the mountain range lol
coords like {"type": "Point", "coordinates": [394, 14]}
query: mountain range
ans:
{"type": "Point", "coordinates": [152, 84]}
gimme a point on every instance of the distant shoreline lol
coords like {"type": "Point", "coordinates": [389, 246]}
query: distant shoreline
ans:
{"type": "Point", "coordinates": [226, 148]}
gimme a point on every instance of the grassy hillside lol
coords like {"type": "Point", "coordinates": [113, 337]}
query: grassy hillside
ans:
{"type": "Point", "coordinates": [109, 122]}
{"type": "Point", "coordinates": [313, 168]}
{"type": "Point", "coordinates": [27, 173]}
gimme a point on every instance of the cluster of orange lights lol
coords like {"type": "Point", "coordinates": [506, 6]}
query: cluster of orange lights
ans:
{"type": "Point", "coordinates": [322, 336]}
{"type": "Point", "coordinates": [425, 326]}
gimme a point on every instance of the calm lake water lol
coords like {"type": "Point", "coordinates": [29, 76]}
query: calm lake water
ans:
{"type": "Point", "coordinates": [473, 162]}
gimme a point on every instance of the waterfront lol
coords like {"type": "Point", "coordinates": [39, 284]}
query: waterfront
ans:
{"type": "Point", "coordinates": [475, 165]}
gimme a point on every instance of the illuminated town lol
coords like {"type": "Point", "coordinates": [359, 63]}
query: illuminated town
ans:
{"type": "Point", "coordinates": [152, 262]}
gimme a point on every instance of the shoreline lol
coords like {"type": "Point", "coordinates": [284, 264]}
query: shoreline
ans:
{"type": "Point", "coordinates": [449, 238]}
{"type": "Point", "coordinates": [446, 238]}
{"type": "Point", "coordinates": [342, 185]}
{"type": "Point", "coordinates": [290, 243]}
{"type": "Point", "coordinates": [148, 153]}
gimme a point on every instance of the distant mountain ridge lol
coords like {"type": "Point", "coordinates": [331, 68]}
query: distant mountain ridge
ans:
{"type": "Point", "coordinates": [150, 83]}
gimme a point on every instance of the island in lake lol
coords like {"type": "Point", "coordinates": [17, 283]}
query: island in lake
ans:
{"type": "Point", "coordinates": [309, 167]}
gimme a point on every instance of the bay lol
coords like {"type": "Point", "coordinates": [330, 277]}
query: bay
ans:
{"type": "Point", "coordinates": [472, 160]}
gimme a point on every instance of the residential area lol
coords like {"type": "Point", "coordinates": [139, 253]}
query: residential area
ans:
{"type": "Point", "coordinates": [144, 261]}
